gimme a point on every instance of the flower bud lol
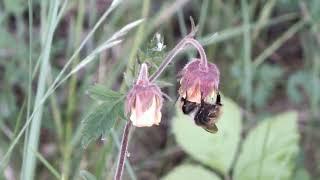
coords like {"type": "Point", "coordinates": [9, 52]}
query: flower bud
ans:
{"type": "Point", "coordinates": [199, 81]}
{"type": "Point", "coordinates": [144, 101]}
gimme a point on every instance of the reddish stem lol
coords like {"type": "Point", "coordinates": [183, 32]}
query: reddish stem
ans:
{"type": "Point", "coordinates": [180, 46]}
{"type": "Point", "coordinates": [123, 150]}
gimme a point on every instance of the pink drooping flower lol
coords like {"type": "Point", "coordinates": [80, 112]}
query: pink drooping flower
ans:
{"type": "Point", "coordinates": [144, 101]}
{"type": "Point", "coordinates": [199, 80]}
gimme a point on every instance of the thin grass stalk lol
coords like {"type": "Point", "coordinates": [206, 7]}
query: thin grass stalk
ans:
{"type": "Point", "coordinates": [278, 43]}
{"type": "Point", "coordinates": [316, 73]}
{"type": "Point", "coordinates": [58, 80]}
{"type": "Point", "coordinates": [72, 95]}
{"type": "Point", "coordinates": [203, 16]}
{"type": "Point", "coordinates": [247, 85]}
{"type": "Point", "coordinates": [30, 14]}
{"type": "Point", "coordinates": [29, 160]}
{"type": "Point", "coordinates": [47, 165]}
{"type": "Point", "coordinates": [139, 38]}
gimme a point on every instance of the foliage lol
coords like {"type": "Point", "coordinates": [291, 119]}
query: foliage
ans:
{"type": "Point", "coordinates": [286, 74]}
{"type": "Point", "coordinates": [154, 51]}
{"type": "Point", "coordinates": [190, 172]}
{"type": "Point", "coordinates": [102, 118]}
{"type": "Point", "coordinates": [275, 141]}
{"type": "Point", "coordinates": [85, 175]}
{"type": "Point", "coordinates": [266, 79]}
{"type": "Point", "coordinates": [215, 150]}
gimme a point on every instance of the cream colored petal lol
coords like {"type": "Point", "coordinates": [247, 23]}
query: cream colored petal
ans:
{"type": "Point", "coordinates": [194, 94]}
{"type": "Point", "coordinates": [147, 118]}
{"type": "Point", "coordinates": [158, 118]}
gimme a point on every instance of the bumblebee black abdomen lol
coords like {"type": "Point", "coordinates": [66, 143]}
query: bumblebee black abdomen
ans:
{"type": "Point", "coordinates": [188, 106]}
{"type": "Point", "coordinates": [205, 114]}
{"type": "Point", "coordinates": [202, 116]}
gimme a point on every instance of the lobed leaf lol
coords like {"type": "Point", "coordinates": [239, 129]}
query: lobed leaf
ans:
{"type": "Point", "coordinates": [99, 92]}
{"type": "Point", "coordinates": [269, 149]}
{"type": "Point", "coordinates": [99, 122]}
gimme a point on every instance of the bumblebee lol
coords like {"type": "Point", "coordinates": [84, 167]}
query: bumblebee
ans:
{"type": "Point", "coordinates": [206, 114]}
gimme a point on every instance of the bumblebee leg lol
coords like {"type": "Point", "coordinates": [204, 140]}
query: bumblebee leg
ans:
{"type": "Point", "coordinates": [218, 101]}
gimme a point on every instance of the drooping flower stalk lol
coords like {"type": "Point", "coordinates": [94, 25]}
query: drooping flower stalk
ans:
{"type": "Point", "coordinates": [178, 48]}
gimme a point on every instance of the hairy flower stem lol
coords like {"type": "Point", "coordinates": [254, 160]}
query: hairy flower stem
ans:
{"type": "Point", "coordinates": [123, 151]}
{"type": "Point", "coordinates": [180, 46]}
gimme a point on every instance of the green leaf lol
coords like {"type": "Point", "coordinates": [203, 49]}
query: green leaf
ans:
{"type": "Point", "coordinates": [215, 150]}
{"type": "Point", "coordinates": [99, 122]}
{"type": "Point", "coordinates": [85, 175]}
{"type": "Point", "coordinates": [190, 172]}
{"type": "Point", "coordinates": [99, 92]}
{"type": "Point", "coordinates": [269, 149]}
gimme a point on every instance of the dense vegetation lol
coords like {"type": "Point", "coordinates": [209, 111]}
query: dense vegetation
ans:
{"type": "Point", "coordinates": [57, 123]}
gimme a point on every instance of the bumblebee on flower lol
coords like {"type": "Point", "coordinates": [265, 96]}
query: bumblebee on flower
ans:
{"type": "Point", "coordinates": [199, 83]}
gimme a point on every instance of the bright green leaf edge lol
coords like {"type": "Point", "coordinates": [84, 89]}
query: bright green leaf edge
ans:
{"type": "Point", "coordinates": [269, 150]}
{"type": "Point", "coordinates": [190, 172]}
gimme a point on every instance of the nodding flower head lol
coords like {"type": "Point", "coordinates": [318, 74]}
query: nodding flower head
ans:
{"type": "Point", "coordinates": [144, 101]}
{"type": "Point", "coordinates": [199, 81]}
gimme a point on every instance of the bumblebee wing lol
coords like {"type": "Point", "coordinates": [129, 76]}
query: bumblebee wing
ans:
{"type": "Point", "coordinates": [211, 129]}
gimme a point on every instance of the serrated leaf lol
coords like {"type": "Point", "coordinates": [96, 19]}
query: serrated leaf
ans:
{"type": "Point", "coordinates": [190, 172]}
{"type": "Point", "coordinates": [128, 79]}
{"type": "Point", "coordinates": [85, 175]}
{"type": "Point", "coordinates": [215, 150]}
{"type": "Point", "coordinates": [99, 122]}
{"type": "Point", "coordinates": [99, 92]}
{"type": "Point", "coordinates": [269, 149]}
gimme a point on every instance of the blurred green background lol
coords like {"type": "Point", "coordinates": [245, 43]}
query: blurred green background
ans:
{"type": "Point", "coordinates": [52, 51]}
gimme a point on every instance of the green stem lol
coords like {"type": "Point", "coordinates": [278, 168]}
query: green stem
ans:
{"type": "Point", "coordinates": [247, 55]}
{"type": "Point", "coordinates": [29, 161]}
{"type": "Point", "coordinates": [72, 94]}
{"type": "Point", "coordinates": [139, 37]}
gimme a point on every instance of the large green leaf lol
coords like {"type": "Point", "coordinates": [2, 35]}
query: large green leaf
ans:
{"type": "Point", "coordinates": [269, 149]}
{"type": "Point", "coordinates": [215, 150]}
{"type": "Point", "coordinates": [99, 122]}
{"type": "Point", "coordinates": [190, 172]}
